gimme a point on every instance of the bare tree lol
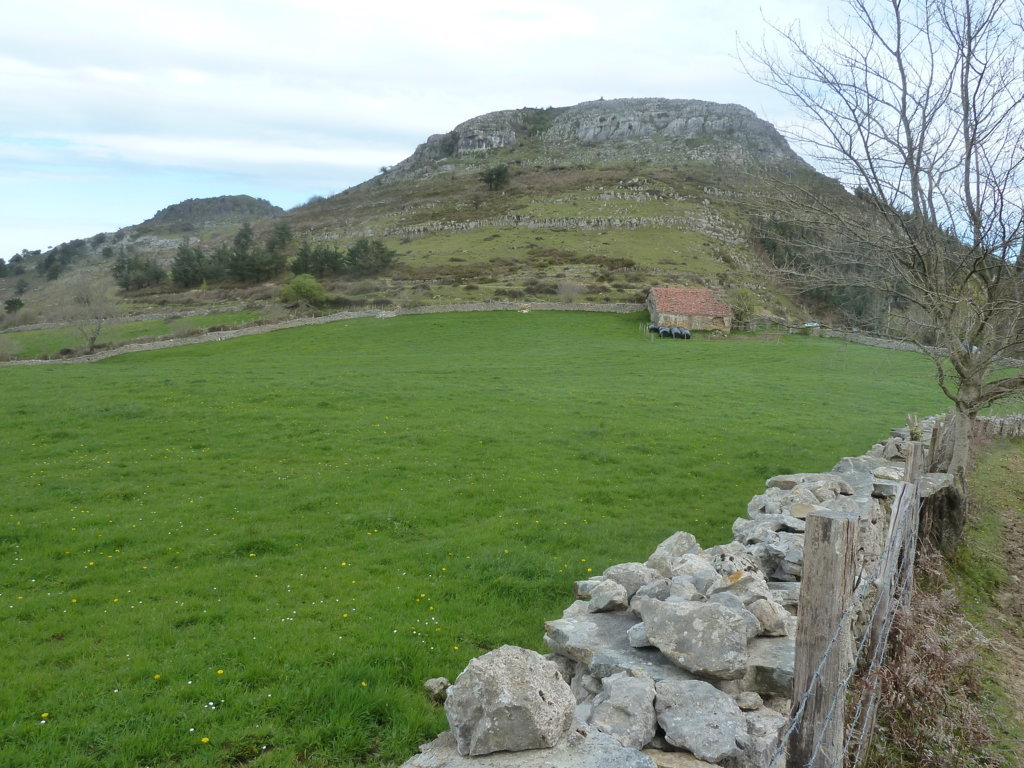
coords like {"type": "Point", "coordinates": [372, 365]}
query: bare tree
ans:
{"type": "Point", "coordinates": [918, 106]}
{"type": "Point", "coordinates": [88, 306]}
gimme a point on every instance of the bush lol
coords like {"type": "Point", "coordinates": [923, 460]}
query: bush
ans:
{"type": "Point", "coordinates": [304, 290]}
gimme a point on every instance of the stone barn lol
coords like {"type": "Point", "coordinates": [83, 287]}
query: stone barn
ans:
{"type": "Point", "coordinates": [695, 308]}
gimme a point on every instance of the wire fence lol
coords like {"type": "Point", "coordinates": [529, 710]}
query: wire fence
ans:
{"type": "Point", "coordinates": [833, 715]}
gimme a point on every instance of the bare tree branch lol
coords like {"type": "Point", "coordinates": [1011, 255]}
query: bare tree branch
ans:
{"type": "Point", "coordinates": [918, 107]}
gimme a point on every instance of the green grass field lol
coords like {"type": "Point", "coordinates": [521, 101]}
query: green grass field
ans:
{"type": "Point", "coordinates": [49, 341]}
{"type": "Point", "coordinates": [255, 551]}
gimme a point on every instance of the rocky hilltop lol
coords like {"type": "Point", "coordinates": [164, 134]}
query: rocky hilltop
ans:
{"type": "Point", "coordinates": [669, 130]}
{"type": "Point", "coordinates": [196, 213]}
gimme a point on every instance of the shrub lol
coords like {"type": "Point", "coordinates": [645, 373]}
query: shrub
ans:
{"type": "Point", "coordinates": [304, 290]}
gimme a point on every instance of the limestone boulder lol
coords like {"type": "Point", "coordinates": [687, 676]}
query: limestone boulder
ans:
{"type": "Point", "coordinates": [701, 719]}
{"type": "Point", "coordinates": [608, 596]}
{"type": "Point", "coordinates": [663, 759]}
{"type": "Point", "coordinates": [625, 709]}
{"type": "Point", "coordinates": [706, 639]}
{"type": "Point", "coordinates": [637, 636]}
{"type": "Point", "coordinates": [632, 576]}
{"type": "Point", "coordinates": [733, 603]}
{"type": "Point", "coordinates": [771, 663]}
{"type": "Point", "coordinates": [657, 590]}
{"type": "Point", "coordinates": [729, 558]}
{"type": "Point", "coordinates": [773, 618]}
{"type": "Point", "coordinates": [510, 699]}
{"type": "Point", "coordinates": [764, 731]}
{"type": "Point", "coordinates": [582, 590]}
{"type": "Point", "coordinates": [748, 586]}
{"type": "Point", "coordinates": [697, 569]}
{"type": "Point", "coordinates": [675, 546]}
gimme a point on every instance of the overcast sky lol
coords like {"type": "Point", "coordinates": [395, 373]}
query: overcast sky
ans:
{"type": "Point", "coordinates": [114, 109]}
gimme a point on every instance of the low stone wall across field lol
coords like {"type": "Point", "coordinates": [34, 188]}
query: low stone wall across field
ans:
{"type": "Point", "coordinates": [250, 330]}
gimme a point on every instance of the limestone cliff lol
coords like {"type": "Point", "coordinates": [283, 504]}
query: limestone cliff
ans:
{"type": "Point", "coordinates": [657, 130]}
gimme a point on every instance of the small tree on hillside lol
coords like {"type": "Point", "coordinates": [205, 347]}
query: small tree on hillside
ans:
{"type": "Point", "coordinates": [190, 267]}
{"type": "Point", "coordinates": [248, 262]}
{"type": "Point", "coordinates": [278, 241]}
{"type": "Point", "coordinates": [495, 177]}
{"type": "Point", "coordinates": [88, 307]}
{"type": "Point", "coordinates": [368, 257]}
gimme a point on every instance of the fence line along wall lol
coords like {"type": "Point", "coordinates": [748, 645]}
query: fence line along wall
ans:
{"type": "Point", "coordinates": [696, 657]}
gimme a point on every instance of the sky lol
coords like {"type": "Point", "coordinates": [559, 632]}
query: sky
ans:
{"type": "Point", "coordinates": [111, 110]}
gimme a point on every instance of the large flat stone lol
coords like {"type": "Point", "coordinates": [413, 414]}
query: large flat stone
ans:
{"type": "Point", "coordinates": [706, 639]}
{"type": "Point", "coordinates": [600, 641]}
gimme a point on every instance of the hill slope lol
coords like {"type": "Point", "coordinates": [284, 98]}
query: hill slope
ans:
{"type": "Point", "coordinates": [599, 201]}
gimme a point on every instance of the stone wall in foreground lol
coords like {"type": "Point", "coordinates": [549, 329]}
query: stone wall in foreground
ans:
{"type": "Point", "coordinates": [685, 659]}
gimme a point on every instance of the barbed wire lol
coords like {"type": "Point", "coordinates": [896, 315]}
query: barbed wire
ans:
{"type": "Point", "coordinates": [899, 545]}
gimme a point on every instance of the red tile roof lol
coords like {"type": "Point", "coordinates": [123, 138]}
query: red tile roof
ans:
{"type": "Point", "coordinates": [688, 301]}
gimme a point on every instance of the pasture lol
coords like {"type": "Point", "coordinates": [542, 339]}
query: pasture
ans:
{"type": "Point", "coordinates": [253, 552]}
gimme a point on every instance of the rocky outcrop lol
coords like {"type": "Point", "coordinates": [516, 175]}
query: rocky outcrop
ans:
{"type": "Point", "coordinates": [606, 131]}
{"type": "Point", "coordinates": [700, 129]}
{"type": "Point", "coordinates": [689, 657]}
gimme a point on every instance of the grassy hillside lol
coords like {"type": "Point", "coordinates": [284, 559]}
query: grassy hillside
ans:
{"type": "Point", "coordinates": [255, 551]}
{"type": "Point", "coordinates": [581, 217]}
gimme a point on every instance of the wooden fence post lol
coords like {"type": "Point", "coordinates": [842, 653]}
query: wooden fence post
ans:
{"type": "Point", "coordinates": [826, 590]}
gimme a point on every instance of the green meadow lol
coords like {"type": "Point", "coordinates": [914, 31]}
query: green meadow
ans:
{"type": "Point", "coordinates": [48, 342]}
{"type": "Point", "coordinates": [254, 552]}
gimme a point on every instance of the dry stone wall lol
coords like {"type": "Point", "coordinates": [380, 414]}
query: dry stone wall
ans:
{"type": "Point", "coordinates": [686, 659]}
{"type": "Point", "coordinates": [1004, 426]}
{"type": "Point", "coordinates": [490, 306]}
